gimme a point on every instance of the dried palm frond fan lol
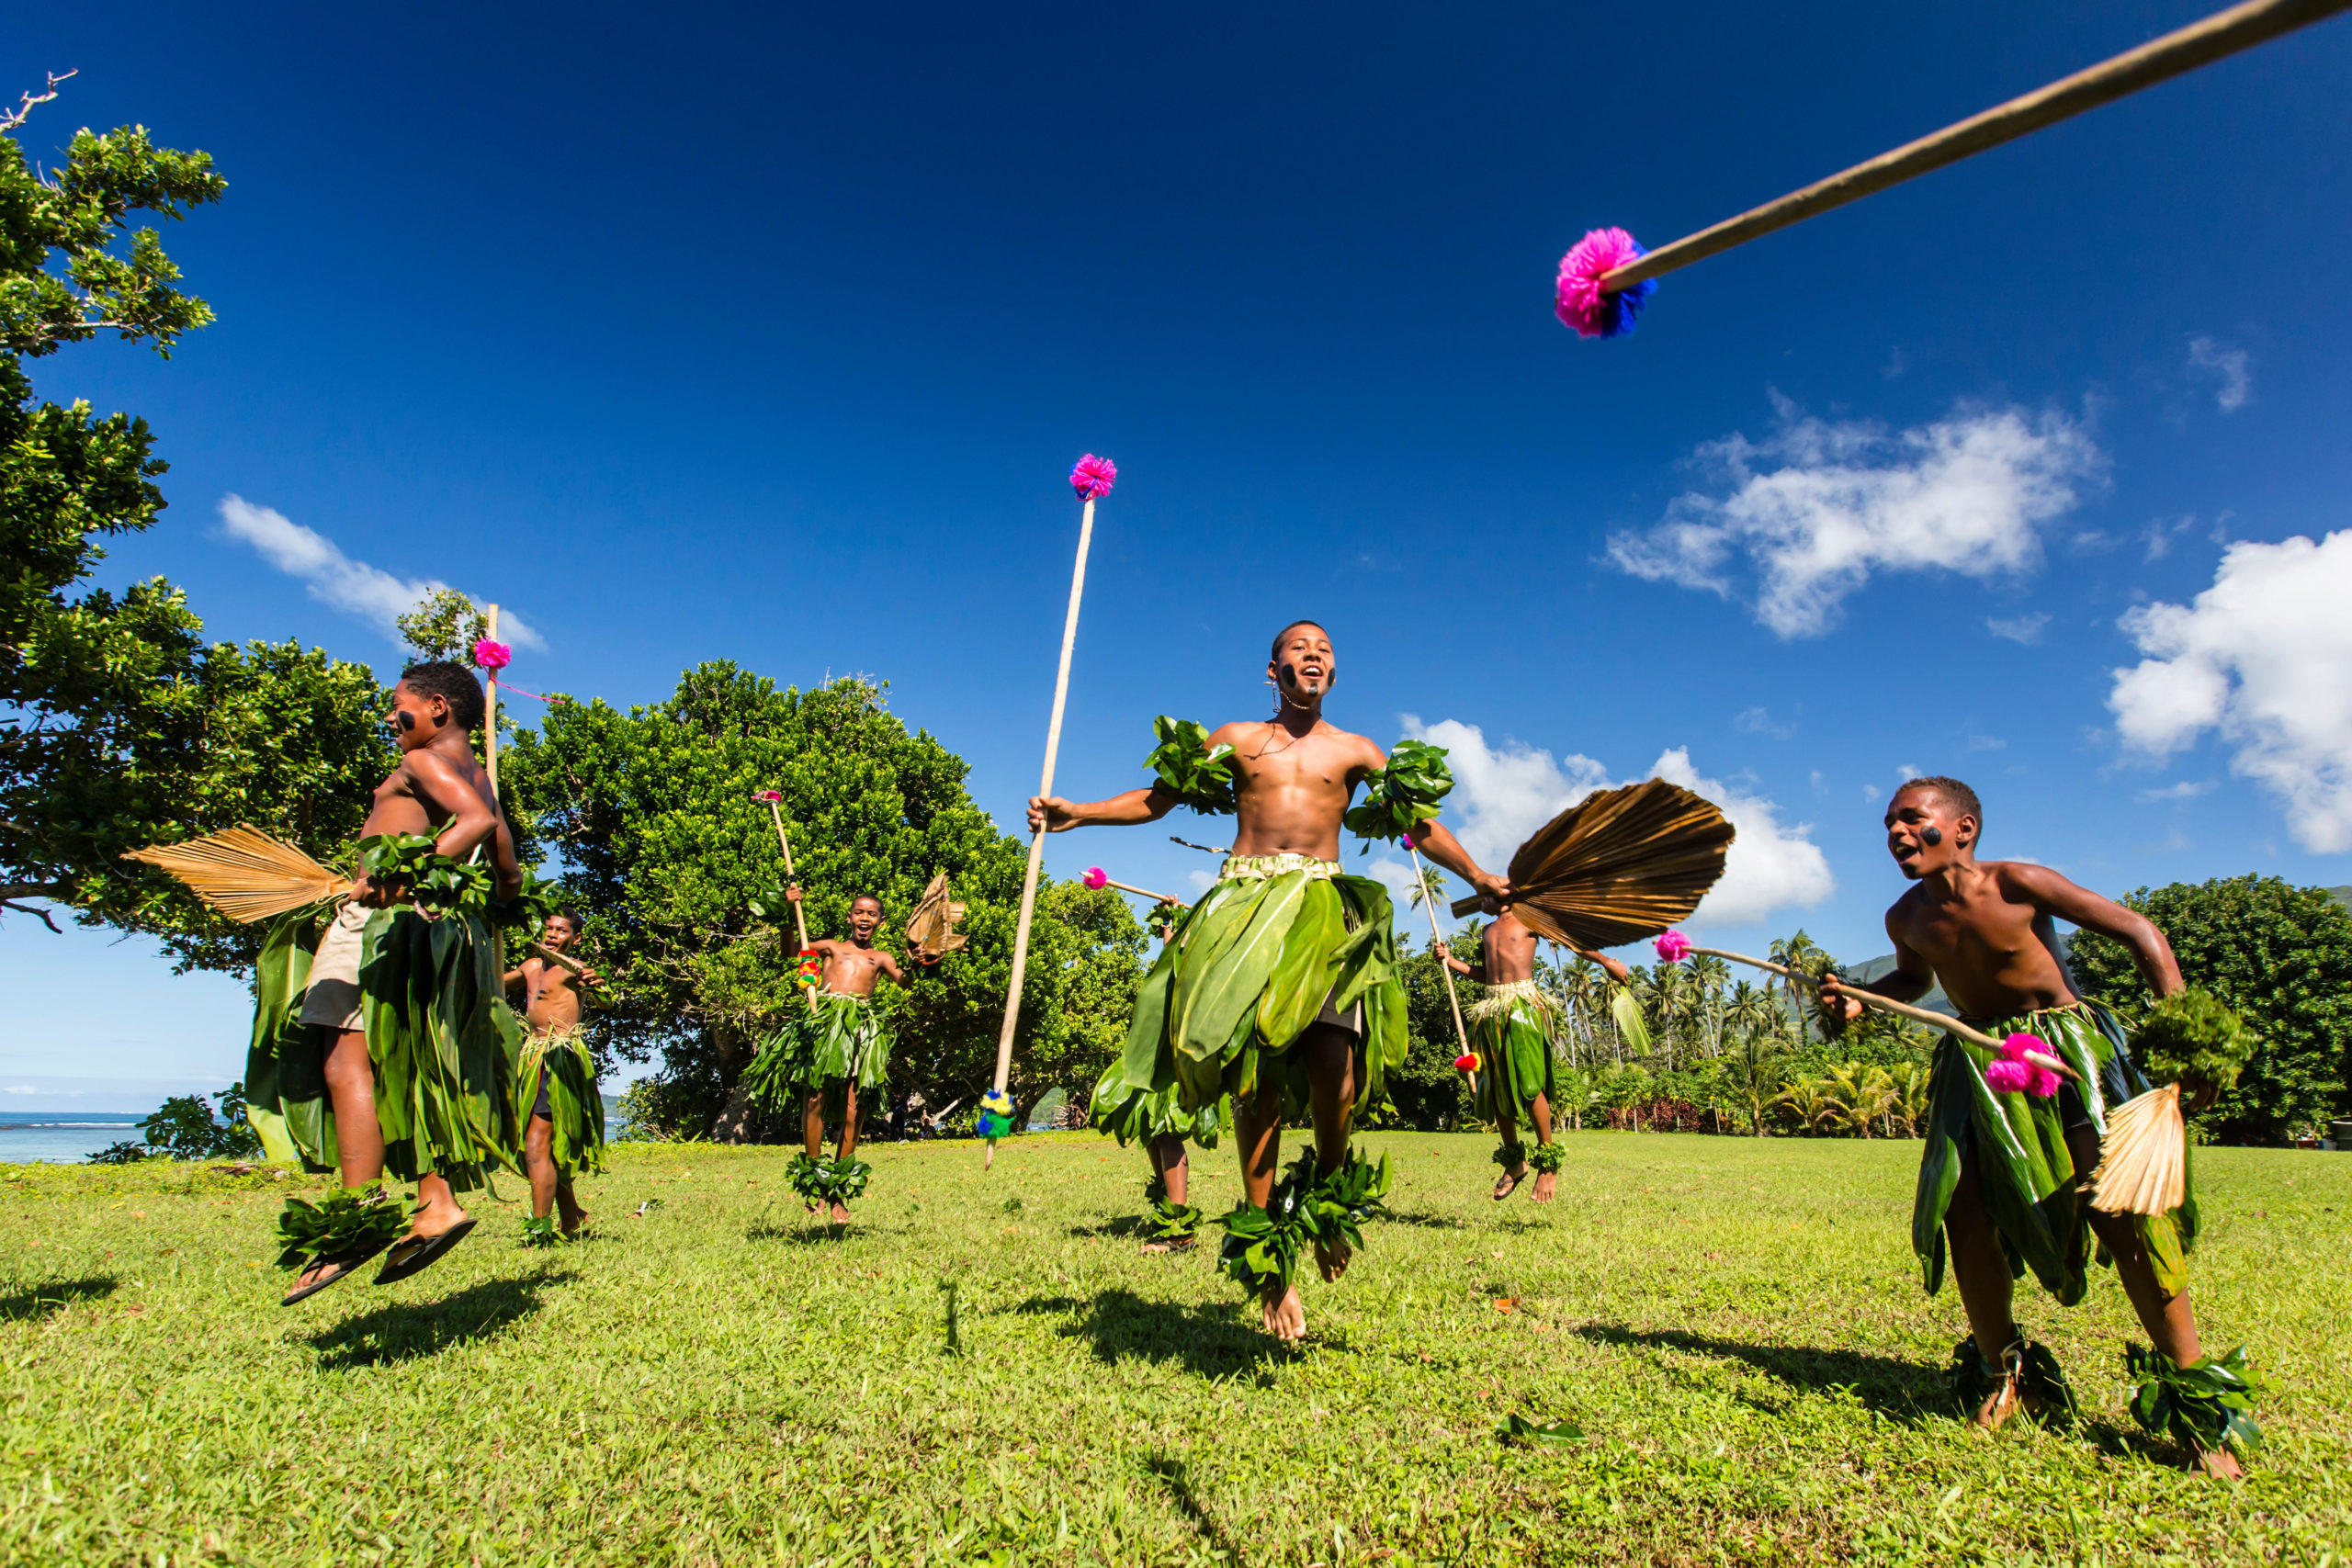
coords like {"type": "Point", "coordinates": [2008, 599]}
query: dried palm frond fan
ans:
{"type": "Point", "coordinates": [1617, 866]}
{"type": "Point", "coordinates": [2198, 1040]}
{"type": "Point", "coordinates": [932, 929]}
{"type": "Point", "coordinates": [244, 873]}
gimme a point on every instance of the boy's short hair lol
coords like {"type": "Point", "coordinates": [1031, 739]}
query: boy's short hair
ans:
{"type": "Point", "coordinates": [453, 683]}
{"type": "Point", "coordinates": [872, 899]}
{"type": "Point", "coordinates": [577, 925]}
{"type": "Point", "coordinates": [1289, 627]}
{"type": "Point", "coordinates": [1958, 794]}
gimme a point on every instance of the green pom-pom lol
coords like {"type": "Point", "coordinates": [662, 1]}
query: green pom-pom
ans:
{"type": "Point", "coordinates": [2206, 1405]}
{"type": "Point", "coordinates": [2193, 1037]}
{"type": "Point", "coordinates": [1545, 1158]}
{"type": "Point", "coordinates": [343, 1222]}
{"type": "Point", "coordinates": [1402, 795]}
{"type": "Point", "coordinates": [1188, 769]}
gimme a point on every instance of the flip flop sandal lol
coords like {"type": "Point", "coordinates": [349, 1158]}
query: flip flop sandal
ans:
{"type": "Point", "coordinates": [343, 1263]}
{"type": "Point", "coordinates": [1517, 1182]}
{"type": "Point", "coordinates": [422, 1252]}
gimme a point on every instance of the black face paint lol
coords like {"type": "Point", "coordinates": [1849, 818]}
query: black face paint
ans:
{"type": "Point", "coordinates": [1931, 837]}
{"type": "Point", "coordinates": [406, 719]}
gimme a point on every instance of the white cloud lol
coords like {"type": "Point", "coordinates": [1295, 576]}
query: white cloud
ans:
{"type": "Point", "coordinates": [335, 579]}
{"type": "Point", "coordinates": [2026, 629]}
{"type": "Point", "coordinates": [2226, 365]}
{"type": "Point", "coordinates": [2264, 657]}
{"type": "Point", "coordinates": [2187, 789]}
{"type": "Point", "coordinates": [1987, 743]}
{"type": "Point", "coordinates": [1905, 772]}
{"type": "Point", "coordinates": [1870, 792]}
{"type": "Point", "coordinates": [1817, 506]}
{"type": "Point", "coordinates": [1759, 721]}
{"type": "Point", "coordinates": [2159, 535]}
{"type": "Point", "coordinates": [1502, 794]}
{"type": "Point", "coordinates": [1202, 880]}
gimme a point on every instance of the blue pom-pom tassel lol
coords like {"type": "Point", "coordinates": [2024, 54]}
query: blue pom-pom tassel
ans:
{"type": "Point", "coordinates": [1621, 311]}
{"type": "Point", "coordinates": [996, 1115]}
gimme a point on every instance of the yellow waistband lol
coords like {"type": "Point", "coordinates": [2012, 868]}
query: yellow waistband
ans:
{"type": "Point", "coordinates": [1258, 868]}
{"type": "Point", "coordinates": [1500, 999]}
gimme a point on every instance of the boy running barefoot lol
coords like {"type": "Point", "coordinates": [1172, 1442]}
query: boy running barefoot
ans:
{"type": "Point", "coordinates": [1279, 986]}
{"type": "Point", "coordinates": [2003, 1180]}
{"type": "Point", "coordinates": [442, 1138]}
{"type": "Point", "coordinates": [833, 1060]}
{"type": "Point", "coordinates": [565, 1130]}
{"type": "Point", "coordinates": [1513, 1028]}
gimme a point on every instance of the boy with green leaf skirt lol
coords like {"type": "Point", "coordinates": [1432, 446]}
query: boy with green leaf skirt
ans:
{"type": "Point", "coordinates": [392, 1047]}
{"type": "Point", "coordinates": [2004, 1179]}
{"type": "Point", "coordinates": [1153, 1118]}
{"type": "Point", "coordinates": [1513, 1028]}
{"type": "Point", "coordinates": [555, 1077]}
{"type": "Point", "coordinates": [1280, 985]}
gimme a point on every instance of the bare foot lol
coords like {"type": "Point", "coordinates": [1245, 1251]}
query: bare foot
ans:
{"type": "Point", "coordinates": [1999, 1405]}
{"type": "Point", "coordinates": [1286, 1319]}
{"type": "Point", "coordinates": [1546, 1181]}
{"type": "Point", "coordinates": [840, 1215]}
{"type": "Point", "coordinates": [576, 1221]}
{"type": "Point", "coordinates": [2219, 1464]}
{"type": "Point", "coordinates": [1508, 1182]}
{"type": "Point", "coordinates": [1332, 1260]}
{"type": "Point", "coordinates": [1151, 1248]}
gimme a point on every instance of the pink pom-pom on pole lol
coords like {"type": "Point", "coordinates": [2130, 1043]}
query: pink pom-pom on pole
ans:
{"type": "Point", "coordinates": [1096, 877]}
{"type": "Point", "coordinates": [489, 655]}
{"type": "Point", "coordinates": [2017, 1072]}
{"type": "Point", "coordinates": [1092, 477]}
{"type": "Point", "coordinates": [1578, 297]}
{"type": "Point", "coordinates": [1672, 946]}
{"type": "Point", "coordinates": [770, 796]}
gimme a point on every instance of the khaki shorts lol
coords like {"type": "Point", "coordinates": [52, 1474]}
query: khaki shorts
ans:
{"type": "Point", "coordinates": [332, 999]}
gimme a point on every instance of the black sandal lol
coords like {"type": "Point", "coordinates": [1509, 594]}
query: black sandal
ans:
{"type": "Point", "coordinates": [415, 1254]}
{"type": "Point", "coordinates": [343, 1263]}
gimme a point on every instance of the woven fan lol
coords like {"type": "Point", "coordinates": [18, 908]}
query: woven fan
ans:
{"type": "Point", "coordinates": [932, 927]}
{"type": "Point", "coordinates": [1617, 866]}
{"type": "Point", "coordinates": [244, 873]}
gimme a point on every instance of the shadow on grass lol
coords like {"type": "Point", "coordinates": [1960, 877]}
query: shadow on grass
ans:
{"type": "Point", "coordinates": [1907, 1392]}
{"type": "Point", "coordinates": [1172, 1474]}
{"type": "Point", "coordinates": [1125, 1224]}
{"type": "Point", "coordinates": [1413, 1217]}
{"type": "Point", "coordinates": [49, 1297]}
{"type": "Point", "coordinates": [1210, 1340]}
{"type": "Point", "coordinates": [395, 1333]}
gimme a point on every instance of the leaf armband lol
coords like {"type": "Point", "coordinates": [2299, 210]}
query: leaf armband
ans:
{"type": "Point", "coordinates": [343, 1221]}
{"type": "Point", "coordinates": [1171, 1224]}
{"type": "Point", "coordinates": [1401, 796]}
{"type": "Point", "coordinates": [1546, 1159]}
{"type": "Point", "coordinates": [539, 1231]}
{"type": "Point", "coordinates": [1262, 1245]}
{"type": "Point", "coordinates": [2206, 1405]}
{"type": "Point", "coordinates": [1190, 769]}
{"type": "Point", "coordinates": [827, 1180]}
{"type": "Point", "coordinates": [1511, 1157]}
{"type": "Point", "coordinates": [2040, 1384]}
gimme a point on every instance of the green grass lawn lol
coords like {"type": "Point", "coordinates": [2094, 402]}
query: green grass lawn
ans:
{"type": "Point", "coordinates": [1736, 1328]}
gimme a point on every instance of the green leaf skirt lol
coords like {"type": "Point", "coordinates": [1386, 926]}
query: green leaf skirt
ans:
{"type": "Point", "coordinates": [1269, 946]}
{"type": "Point", "coordinates": [1138, 1115]}
{"type": "Point", "coordinates": [1511, 1029]}
{"type": "Point", "coordinates": [560, 1063]}
{"type": "Point", "coordinates": [842, 1039]}
{"type": "Point", "coordinates": [444, 1043]}
{"type": "Point", "coordinates": [2039, 1201]}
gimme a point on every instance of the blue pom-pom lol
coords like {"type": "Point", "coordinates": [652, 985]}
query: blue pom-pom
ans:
{"type": "Point", "coordinates": [1621, 311]}
{"type": "Point", "coordinates": [995, 1125]}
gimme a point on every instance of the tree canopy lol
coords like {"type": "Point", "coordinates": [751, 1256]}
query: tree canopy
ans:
{"type": "Point", "coordinates": [2278, 954]}
{"type": "Point", "coordinates": [667, 852]}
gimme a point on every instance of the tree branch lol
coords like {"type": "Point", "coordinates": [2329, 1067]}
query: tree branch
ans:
{"type": "Point", "coordinates": [10, 120]}
{"type": "Point", "coordinates": [8, 902]}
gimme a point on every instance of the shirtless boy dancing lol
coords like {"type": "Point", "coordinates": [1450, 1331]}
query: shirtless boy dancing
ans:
{"type": "Point", "coordinates": [2003, 1180]}
{"type": "Point", "coordinates": [1513, 1029]}
{"type": "Point", "coordinates": [565, 1131]}
{"type": "Point", "coordinates": [438, 788]}
{"type": "Point", "coordinates": [1306, 1016]}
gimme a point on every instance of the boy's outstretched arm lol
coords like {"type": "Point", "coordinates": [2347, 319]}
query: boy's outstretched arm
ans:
{"type": "Point", "coordinates": [1435, 840]}
{"type": "Point", "coordinates": [2052, 895]}
{"type": "Point", "coordinates": [1911, 978]}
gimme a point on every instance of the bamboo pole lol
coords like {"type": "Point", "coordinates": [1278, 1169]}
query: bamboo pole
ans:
{"type": "Point", "coordinates": [1037, 840]}
{"type": "Point", "coordinates": [490, 724]}
{"type": "Point", "coordinates": [2201, 43]}
{"type": "Point", "coordinates": [1872, 999]}
{"type": "Point", "coordinates": [1142, 892]}
{"type": "Point", "coordinates": [799, 920]}
{"type": "Point", "coordinates": [1428, 903]}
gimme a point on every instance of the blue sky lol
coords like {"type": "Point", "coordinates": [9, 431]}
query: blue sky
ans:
{"type": "Point", "coordinates": [699, 334]}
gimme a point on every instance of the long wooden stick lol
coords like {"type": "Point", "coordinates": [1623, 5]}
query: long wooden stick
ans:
{"type": "Point", "coordinates": [1142, 892]}
{"type": "Point", "coordinates": [490, 724]}
{"type": "Point", "coordinates": [1872, 999]}
{"type": "Point", "coordinates": [1428, 903]}
{"type": "Point", "coordinates": [1037, 840]}
{"type": "Point", "coordinates": [799, 920]}
{"type": "Point", "coordinates": [2201, 43]}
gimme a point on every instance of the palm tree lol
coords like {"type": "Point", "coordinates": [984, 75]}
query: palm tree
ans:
{"type": "Point", "coordinates": [1709, 976]}
{"type": "Point", "coordinates": [1907, 1101]}
{"type": "Point", "coordinates": [1807, 956]}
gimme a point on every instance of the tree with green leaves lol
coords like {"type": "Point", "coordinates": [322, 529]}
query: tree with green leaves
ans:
{"type": "Point", "coordinates": [676, 866]}
{"type": "Point", "coordinates": [2282, 956]}
{"type": "Point", "coordinates": [119, 726]}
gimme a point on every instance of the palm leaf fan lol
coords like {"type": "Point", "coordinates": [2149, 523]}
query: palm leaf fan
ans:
{"type": "Point", "coordinates": [1618, 865]}
{"type": "Point", "coordinates": [932, 927]}
{"type": "Point", "coordinates": [244, 873]}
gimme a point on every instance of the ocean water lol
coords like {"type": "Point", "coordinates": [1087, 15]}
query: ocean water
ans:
{"type": "Point", "coordinates": [63, 1137]}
